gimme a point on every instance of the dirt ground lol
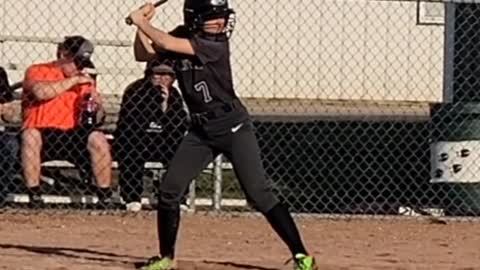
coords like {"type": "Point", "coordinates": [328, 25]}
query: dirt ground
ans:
{"type": "Point", "coordinates": [80, 240]}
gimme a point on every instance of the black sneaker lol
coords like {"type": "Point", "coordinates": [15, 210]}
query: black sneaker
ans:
{"type": "Point", "coordinates": [3, 200]}
{"type": "Point", "coordinates": [36, 202]}
{"type": "Point", "coordinates": [105, 200]}
{"type": "Point", "coordinates": [105, 204]}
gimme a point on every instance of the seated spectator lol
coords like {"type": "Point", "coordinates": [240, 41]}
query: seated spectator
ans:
{"type": "Point", "coordinates": [6, 92]}
{"type": "Point", "coordinates": [8, 137]}
{"type": "Point", "coordinates": [61, 108]}
{"type": "Point", "coordinates": [151, 124]}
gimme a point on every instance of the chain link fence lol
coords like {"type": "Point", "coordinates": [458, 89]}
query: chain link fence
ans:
{"type": "Point", "coordinates": [360, 107]}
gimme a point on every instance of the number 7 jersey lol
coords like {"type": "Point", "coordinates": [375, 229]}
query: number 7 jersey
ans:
{"type": "Point", "coordinates": [206, 78]}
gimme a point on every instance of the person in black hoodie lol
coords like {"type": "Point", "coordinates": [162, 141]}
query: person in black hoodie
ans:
{"type": "Point", "coordinates": [6, 92]}
{"type": "Point", "coordinates": [8, 137]}
{"type": "Point", "coordinates": [151, 124]}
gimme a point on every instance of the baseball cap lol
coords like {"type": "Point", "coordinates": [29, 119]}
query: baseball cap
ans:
{"type": "Point", "coordinates": [156, 66]}
{"type": "Point", "coordinates": [80, 48]}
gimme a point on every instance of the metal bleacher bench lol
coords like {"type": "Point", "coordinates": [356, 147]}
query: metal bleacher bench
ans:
{"type": "Point", "coordinates": [215, 169]}
{"type": "Point", "coordinates": [148, 165]}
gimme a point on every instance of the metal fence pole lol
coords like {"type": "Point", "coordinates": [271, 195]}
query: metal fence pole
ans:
{"type": "Point", "coordinates": [191, 196]}
{"type": "Point", "coordinates": [217, 183]}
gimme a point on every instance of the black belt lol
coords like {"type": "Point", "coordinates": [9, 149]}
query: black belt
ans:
{"type": "Point", "coordinates": [203, 117]}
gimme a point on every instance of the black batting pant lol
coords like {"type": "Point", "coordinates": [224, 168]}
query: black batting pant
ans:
{"type": "Point", "coordinates": [197, 150]}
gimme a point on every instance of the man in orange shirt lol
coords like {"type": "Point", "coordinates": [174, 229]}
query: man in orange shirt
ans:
{"type": "Point", "coordinates": [53, 96]}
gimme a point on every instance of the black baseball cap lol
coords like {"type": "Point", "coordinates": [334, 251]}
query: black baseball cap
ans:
{"type": "Point", "coordinates": [80, 48]}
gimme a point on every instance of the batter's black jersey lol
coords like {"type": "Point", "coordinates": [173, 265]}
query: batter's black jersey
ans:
{"type": "Point", "coordinates": [205, 79]}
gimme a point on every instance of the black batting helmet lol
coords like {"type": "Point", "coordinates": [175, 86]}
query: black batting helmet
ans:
{"type": "Point", "coordinates": [196, 12]}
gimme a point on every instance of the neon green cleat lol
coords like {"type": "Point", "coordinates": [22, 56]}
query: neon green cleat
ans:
{"type": "Point", "coordinates": [157, 263]}
{"type": "Point", "coordinates": [304, 262]}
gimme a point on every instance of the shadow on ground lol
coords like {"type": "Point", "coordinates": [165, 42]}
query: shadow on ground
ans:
{"type": "Point", "coordinates": [127, 260]}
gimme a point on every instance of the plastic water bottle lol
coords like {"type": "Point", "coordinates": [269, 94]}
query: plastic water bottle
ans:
{"type": "Point", "coordinates": [89, 112]}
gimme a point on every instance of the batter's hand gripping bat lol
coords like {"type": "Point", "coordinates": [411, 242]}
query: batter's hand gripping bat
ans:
{"type": "Point", "coordinates": [128, 20]}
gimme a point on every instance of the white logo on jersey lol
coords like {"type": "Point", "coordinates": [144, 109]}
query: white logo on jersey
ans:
{"type": "Point", "coordinates": [218, 2]}
{"type": "Point", "coordinates": [154, 128]}
{"type": "Point", "coordinates": [186, 65]}
{"type": "Point", "coordinates": [237, 128]}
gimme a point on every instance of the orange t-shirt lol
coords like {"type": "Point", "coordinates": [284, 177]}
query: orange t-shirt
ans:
{"type": "Point", "coordinates": [59, 112]}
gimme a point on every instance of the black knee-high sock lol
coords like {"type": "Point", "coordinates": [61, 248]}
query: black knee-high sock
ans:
{"type": "Point", "coordinates": [283, 223]}
{"type": "Point", "coordinates": [168, 221]}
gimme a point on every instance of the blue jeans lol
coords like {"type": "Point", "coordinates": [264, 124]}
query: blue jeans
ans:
{"type": "Point", "coordinates": [9, 147]}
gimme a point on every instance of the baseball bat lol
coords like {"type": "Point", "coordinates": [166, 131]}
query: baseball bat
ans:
{"type": "Point", "coordinates": [128, 20]}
